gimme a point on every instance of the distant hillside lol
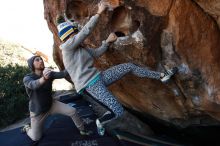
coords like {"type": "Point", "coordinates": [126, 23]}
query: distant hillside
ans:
{"type": "Point", "coordinates": [12, 53]}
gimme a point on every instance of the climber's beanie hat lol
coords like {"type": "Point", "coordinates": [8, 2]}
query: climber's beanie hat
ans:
{"type": "Point", "coordinates": [30, 62]}
{"type": "Point", "coordinates": [65, 29]}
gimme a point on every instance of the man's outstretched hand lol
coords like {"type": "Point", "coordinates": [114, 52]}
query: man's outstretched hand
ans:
{"type": "Point", "coordinates": [46, 73]}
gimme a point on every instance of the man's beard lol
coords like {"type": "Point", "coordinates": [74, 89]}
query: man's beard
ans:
{"type": "Point", "coordinates": [42, 68]}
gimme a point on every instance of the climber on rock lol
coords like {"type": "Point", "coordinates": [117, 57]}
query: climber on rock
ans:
{"type": "Point", "coordinates": [38, 85]}
{"type": "Point", "coordinates": [87, 79]}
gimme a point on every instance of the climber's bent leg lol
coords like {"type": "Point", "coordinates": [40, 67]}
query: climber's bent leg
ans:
{"type": "Point", "coordinates": [103, 96]}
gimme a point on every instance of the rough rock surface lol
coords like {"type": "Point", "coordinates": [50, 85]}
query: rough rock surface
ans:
{"type": "Point", "coordinates": [212, 7]}
{"type": "Point", "coordinates": [157, 34]}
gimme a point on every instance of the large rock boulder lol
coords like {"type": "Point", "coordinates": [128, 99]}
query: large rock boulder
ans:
{"type": "Point", "coordinates": [160, 35]}
{"type": "Point", "coordinates": [212, 7]}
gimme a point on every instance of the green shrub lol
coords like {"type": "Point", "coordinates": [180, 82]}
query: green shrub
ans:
{"type": "Point", "coordinates": [13, 98]}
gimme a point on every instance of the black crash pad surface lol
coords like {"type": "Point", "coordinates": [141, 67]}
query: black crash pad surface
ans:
{"type": "Point", "coordinates": [60, 130]}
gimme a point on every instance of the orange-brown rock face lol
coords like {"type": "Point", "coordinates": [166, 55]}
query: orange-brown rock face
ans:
{"type": "Point", "coordinates": [212, 7]}
{"type": "Point", "coordinates": [160, 35]}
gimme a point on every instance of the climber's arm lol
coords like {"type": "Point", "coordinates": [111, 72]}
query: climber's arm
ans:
{"type": "Point", "coordinates": [105, 44]}
{"type": "Point", "coordinates": [100, 50]}
{"type": "Point", "coordinates": [77, 39]}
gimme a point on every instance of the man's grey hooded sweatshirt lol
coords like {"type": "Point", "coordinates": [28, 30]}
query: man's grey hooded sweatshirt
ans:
{"type": "Point", "coordinates": [40, 95]}
{"type": "Point", "coordinates": [79, 61]}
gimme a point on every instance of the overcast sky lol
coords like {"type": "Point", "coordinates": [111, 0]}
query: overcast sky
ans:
{"type": "Point", "coordinates": [23, 21]}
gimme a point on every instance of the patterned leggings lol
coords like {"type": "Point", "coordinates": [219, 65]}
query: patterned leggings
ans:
{"type": "Point", "coordinates": [101, 94]}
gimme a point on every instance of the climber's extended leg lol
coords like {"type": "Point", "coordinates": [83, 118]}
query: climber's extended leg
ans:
{"type": "Point", "coordinates": [117, 72]}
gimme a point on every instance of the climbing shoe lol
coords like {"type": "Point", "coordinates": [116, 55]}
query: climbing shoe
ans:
{"type": "Point", "coordinates": [100, 128]}
{"type": "Point", "coordinates": [85, 132]}
{"type": "Point", "coordinates": [25, 128]}
{"type": "Point", "coordinates": [168, 74]}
